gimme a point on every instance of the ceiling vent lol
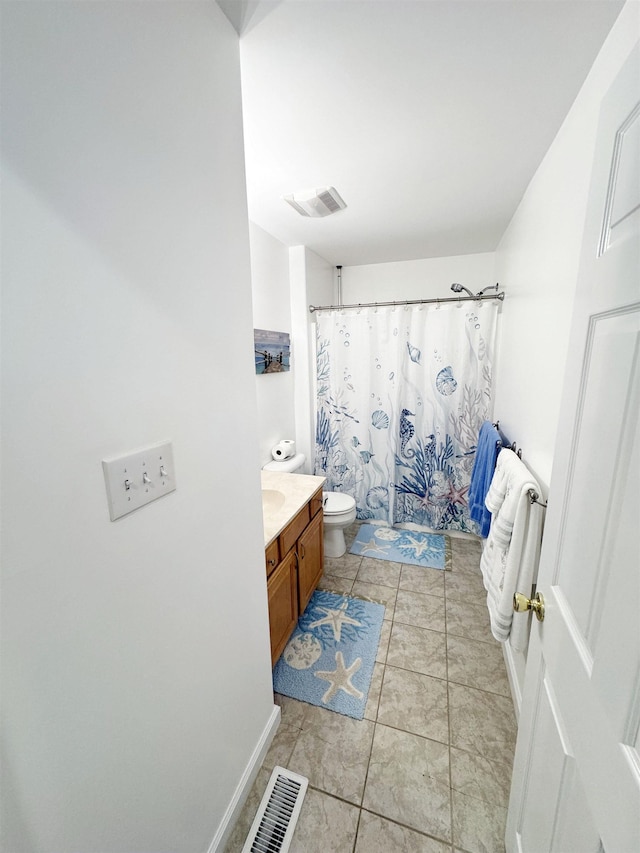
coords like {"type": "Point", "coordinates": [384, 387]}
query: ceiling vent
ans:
{"type": "Point", "coordinates": [318, 202]}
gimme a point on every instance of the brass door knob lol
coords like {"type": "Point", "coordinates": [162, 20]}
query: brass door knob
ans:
{"type": "Point", "coordinates": [521, 604]}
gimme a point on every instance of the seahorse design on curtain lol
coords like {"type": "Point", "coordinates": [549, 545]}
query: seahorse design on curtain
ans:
{"type": "Point", "coordinates": [401, 396]}
{"type": "Point", "coordinates": [406, 433]}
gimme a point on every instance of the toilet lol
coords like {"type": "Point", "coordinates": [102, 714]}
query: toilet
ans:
{"type": "Point", "coordinates": [339, 509]}
{"type": "Point", "coordinates": [290, 465]}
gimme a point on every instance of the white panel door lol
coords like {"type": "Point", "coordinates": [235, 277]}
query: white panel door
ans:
{"type": "Point", "coordinates": [576, 779]}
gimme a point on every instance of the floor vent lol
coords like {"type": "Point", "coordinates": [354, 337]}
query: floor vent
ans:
{"type": "Point", "coordinates": [273, 825]}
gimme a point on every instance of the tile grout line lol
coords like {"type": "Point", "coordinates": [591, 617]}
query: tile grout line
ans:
{"type": "Point", "coordinates": [375, 726]}
{"type": "Point", "coordinates": [450, 842]}
{"type": "Point", "coordinates": [385, 666]}
{"type": "Point", "coordinates": [446, 655]}
{"type": "Point", "coordinates": [357, 832]}
{"type": "Point", "coordinates": [410, 828]}
{"type": "Point", "coordinates": [447, 627]}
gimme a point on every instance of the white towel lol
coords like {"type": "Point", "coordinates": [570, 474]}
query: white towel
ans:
{"type": "Point", "coordinates": [510, 557]}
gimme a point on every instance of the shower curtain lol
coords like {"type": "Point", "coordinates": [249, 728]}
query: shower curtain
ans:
{"type": "Point", "coordinates": [401, 395]}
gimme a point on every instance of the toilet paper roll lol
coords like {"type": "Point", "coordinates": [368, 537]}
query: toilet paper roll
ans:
{"type": "Point", "coordinates": [283, 450]}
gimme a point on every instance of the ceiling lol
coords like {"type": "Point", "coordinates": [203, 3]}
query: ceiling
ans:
{"type": "Point", "coordinates": [429, 117]}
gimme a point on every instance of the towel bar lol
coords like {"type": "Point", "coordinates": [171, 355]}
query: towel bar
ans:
{"type": "Point", "coordinates": [534, 497]}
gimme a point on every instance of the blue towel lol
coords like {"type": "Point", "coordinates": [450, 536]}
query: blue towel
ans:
{"type": "Point", "coordinates": [483, 468]}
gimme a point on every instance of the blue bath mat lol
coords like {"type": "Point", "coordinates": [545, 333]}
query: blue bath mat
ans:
{"type": "Point", "coordinates": [401, 546]}
{"type": "Point", "coordinates": [329, 659]}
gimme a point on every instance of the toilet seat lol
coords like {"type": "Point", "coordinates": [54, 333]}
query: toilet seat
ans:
{"type": "Point", "coordinates": [337, 503]}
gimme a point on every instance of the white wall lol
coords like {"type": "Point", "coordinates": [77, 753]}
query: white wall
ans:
{"type": "Point", "coordinates": [285, 281]}
{"type": "Point", "coordinates": [272, 310]}
{"type": "Point", "coordinates": [312, 283]}
{"type": "Point", "coordinates": [136, 672]}
{"type": "Point", "coordinates": [538, 260]}
{"type": "Point", "coordinates": [422, 279]}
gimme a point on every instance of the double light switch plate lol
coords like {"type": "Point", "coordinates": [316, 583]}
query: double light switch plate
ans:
{"type": "Point", "coordinates": [138, 478]}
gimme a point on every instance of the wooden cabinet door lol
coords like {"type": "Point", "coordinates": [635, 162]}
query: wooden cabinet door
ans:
{"type": "Point", "coordinates": [283, 604]}
{"type": "Point", "coordinates": [310, 561]}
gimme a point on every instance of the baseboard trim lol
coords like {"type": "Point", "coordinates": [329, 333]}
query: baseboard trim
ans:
{"type": "Point", "coordinates": [247, 779]}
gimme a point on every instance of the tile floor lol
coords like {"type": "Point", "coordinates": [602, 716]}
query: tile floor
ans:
{"type": "Point", "coordinates": [428, 770]}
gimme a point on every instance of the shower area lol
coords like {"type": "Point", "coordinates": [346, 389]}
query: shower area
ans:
{"type": "Point", "coordinates": [402, 389]}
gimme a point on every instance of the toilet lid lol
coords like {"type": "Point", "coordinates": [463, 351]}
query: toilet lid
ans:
{"type": "Point", "coordinates": [336, 502]}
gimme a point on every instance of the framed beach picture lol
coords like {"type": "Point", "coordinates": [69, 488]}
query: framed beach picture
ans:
{"type": "Point", "coordinates": [272, 351]}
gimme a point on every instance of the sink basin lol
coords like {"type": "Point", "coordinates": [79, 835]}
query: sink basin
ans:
{"type": "Point", "coordinates": [272, 500]}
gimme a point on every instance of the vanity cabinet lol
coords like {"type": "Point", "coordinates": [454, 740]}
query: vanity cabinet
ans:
{"type": "Point", "coordinates": [294, 563]}
{"type": "Point", "coordinates": [310, 561]}
{"type": "Point", "coordinates": [282, 591]}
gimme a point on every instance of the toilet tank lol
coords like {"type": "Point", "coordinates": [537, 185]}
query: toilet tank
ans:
{"type": "Point", "coordinates": [286, 466]}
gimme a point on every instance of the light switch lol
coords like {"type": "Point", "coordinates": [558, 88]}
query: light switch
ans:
{"type": "Point", "coordinates": [138, 478]}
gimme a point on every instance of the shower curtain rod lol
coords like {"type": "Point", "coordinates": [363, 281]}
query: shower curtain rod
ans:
{"type": "Point", "coordinates": [439, 301]}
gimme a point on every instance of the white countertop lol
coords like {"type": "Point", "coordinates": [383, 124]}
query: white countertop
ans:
{"type": "Point", "coordinates": [283, 496]}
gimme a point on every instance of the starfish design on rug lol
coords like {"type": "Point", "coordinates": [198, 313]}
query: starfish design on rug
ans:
{"type": "Point", "coordinates": [419, 545]}
{"type": "Point", "coordinates": [340, 678]}
{"type": "Point", "coordinates": [336, 618]}
{"type": "Point", "coordinates": [372, 545]}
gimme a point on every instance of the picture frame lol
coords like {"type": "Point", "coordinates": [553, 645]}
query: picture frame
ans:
{"type": "Point", "coordinates": [272, 351]}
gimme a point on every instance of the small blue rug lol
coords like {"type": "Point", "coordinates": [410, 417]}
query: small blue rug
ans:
{"type": "Point", "coordinates": [330, 657]}
{"type": "Point", "coordinates": [401, 546]}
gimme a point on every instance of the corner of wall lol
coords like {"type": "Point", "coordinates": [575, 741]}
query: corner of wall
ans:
{"type": "Point", "coordinates": [311, 283]}
{"type": "Point", "coordinates": [271, 296]}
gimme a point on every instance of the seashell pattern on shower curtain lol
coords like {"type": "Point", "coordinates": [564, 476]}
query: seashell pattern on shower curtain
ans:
{"type": "Point", "coordinates": [401, 395]}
